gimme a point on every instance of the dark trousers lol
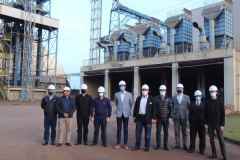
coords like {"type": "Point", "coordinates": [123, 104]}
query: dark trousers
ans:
{"type": "Point", "coordinates": [100, 121]}
{"type": "Point", "coordinates": [82, 122]}
{"type": "Point", "coordinates": [50, 122]}
{"type": "Point", "coordinates": [162, 122]}
{"type": "Point", "coordinates": [183, 124]}
{"type": "Point", "coordinates": [211, 129]}
{"type": "Point", "coordinates": [194, 129]}
{"type": "Point", "coordinates": [123, 120]}
{"type": "Point", "coordinates": [141, 122]}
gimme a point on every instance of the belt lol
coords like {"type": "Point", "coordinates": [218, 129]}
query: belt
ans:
{"type": "Point", "coordinates": [100, 114]}
{"type": "Point", "coordinates": [141, 115]}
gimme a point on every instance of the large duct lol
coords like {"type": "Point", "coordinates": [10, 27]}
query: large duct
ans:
{"type": "Point", "coordinates": [132, 49]}
{"type": "Point", "coordinates": [202, 36]}
{"type": "Point", "coordinates": [141, 30]}
{"type": "Point", "coordinates": [116, 38]}
{"type": "Point", "coordinates": [211, 14]}
{"type": "Point", "coordinates": [106, 52]}
{"type": "Point", "coordinates": [171, 23]}
{"type": "Point", "coordinates": [163, 44]}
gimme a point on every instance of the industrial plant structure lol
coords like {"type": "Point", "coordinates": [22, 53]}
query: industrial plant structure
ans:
{"type": "Point", "coordinates": [197, 48]}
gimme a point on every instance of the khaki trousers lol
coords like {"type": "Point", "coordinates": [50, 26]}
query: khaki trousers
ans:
{"type": "Point", "coordinates": [61, 123]}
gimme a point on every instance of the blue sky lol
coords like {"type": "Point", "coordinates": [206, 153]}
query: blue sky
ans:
{"type": "Point", "coordinates": [75, 19]}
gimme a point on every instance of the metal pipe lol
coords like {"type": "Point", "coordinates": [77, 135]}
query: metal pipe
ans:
{"type": "Point", "coordinates": [106, 52]}
{"type": "Point", "coordinates": [202, 36]}
{"type": "Point", "coordinates": [132, 49]}
{"type": "Point", "coordinates": [211, 34]}
{"type": "Point", "coordinates": [172, 40]}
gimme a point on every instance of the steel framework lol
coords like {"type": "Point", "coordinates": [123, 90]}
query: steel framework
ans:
{"type": "Point", "coordinates": [95, 34]}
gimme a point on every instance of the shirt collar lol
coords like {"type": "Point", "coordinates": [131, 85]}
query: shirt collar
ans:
{"type": "Point", "coordinates": [145, 97]}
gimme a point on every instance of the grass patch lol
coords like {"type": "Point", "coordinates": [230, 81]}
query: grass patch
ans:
{"type": "Point", "coordinates": [232, 126]}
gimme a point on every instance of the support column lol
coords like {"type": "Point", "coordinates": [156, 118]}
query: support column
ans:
{"type": "Point", "coordinates": [106, 83]}
{"type": "Point", "coordinates": [39, 56]}
{"type": "Point", "coordinates": [229, 82]}
{"type": "Point", "coordinates": [136, 83]}
{"type": "Point", "coordinates": [115, 50]}
{"type": "Point", "coordinates": [140, 48]}
{"type": "Point", "coordinates": [16, 56]}
{"type": "Point", "coordinates": [81, 80]}
{"type": "Point", "coordinates": [211, 34]}
{"type": "Point", "coordinates": [175, 77]}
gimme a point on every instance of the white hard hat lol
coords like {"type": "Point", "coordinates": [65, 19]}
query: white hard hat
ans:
{"type": "Point", "coordinates": [66, 89]}
{"type": "Point", "coordinates": [197, 93]}
{"type": "Point", "coordinates": [145, 86]}
{"type": "Point", "coordinates": [51, 87]}
{"type": "Point", "coordinates": [180, 85]}
{"type": "Point", "coordinates": [84, 86]}
{"type": "Point", "coordinates": [162, 87]}
{"type": "Point", "coordinates": [101, 89]}
{"type": "Point", "coordinates": [122, 83]}
{"type": "Point", "coordinates": [213, 88]}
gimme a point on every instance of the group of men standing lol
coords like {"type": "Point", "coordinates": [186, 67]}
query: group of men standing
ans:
{"type": "Point", "coordinates": [148, 110]}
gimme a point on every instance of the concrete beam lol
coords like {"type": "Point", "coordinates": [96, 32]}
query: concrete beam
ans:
{"type": "Point", "coordinates": [175, 77]}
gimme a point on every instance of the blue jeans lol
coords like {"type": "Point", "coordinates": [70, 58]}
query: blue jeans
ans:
{"type": "Point", "coordinates": [162, 122]}
{"type": "Point", "coordinates": [50, 122]}
{"type": "Point", "coordinates": [141, 122]}
{"type": "Point", "coordinates": [100, 121]}
{"type": "Point", "coordinates": [119, 129]}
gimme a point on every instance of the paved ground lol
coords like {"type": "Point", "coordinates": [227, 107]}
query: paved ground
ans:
{"type": "Point", "coordinates": [21, 137]}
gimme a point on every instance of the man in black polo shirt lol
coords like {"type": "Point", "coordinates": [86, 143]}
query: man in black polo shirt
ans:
{"type": "Point", "coordinates": [83, 104]}
{"type": "Point", "coordinates": [103, 110]}
{"type": "Point", "coordinates": [215, 120]}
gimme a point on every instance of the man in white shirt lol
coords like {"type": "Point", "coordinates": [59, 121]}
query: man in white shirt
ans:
{"type": "Point", "coordinates": [144, 115]}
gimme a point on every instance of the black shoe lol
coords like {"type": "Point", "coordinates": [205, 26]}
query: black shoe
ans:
{"type": "Point", "coordinates": [225, 158]}
{"type": "Point", "coordinates": [85, 143]}
{"type": "Point", "coordinates": [45, 143]}
{"type": "Point", "coordinates": [68, 144]}
{"type": "Point", "coordinates": [157, 147]}
{"type": "Point", "coordinates": [175, 147]}
{"type": "Point", "coordinates": [93, 144]}
{"type": "Point", "coordinates": [201, 152]}
{"type": "Point", "coordinates": [191, 150]}
{"type": "Point", "coordinates": [59, 145]}
{"type": "Point", "coordinates": [105, 145]}
{"type": "Point", "coordinates": [213, 156]}
{"type": "Point", "coordinates": [186, 148]}
{"type": "Point", "coordinates": [77, 143]}
{"type": "Point", "coordinates": [146, 149]}
{"type": "Point", "coordinates": [53, 143]}
{"type": "Point", "coordinates": [135, 148]}
{"type": "Point", "coordinates": [166, 148]}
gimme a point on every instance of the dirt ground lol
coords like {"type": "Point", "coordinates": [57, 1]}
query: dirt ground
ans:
{"type": "Point", "coordinates": [21, 136]}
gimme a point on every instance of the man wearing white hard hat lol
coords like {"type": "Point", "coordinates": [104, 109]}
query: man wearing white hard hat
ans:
{"type": "Point", "coordinates": [215, 121]}
{"type": "Point", "coordinates": [83, 104]}
{"type": "Point", "coordinates": [65, 107]}
{"type": "Point", "coordinates": [123, 101]}
{"type": "Point", "coordinates": [48, 104]}
{"type": "Point", "coordinates": [164, 110]}
{"type": "Point", "coordinates": [144, 115]}
{"type": "Point", "coordinates": [102, 109]}
{"type": "Point", "coordinates": [181, 103]}
{"type": "Point", "coordinates": [196, 121]}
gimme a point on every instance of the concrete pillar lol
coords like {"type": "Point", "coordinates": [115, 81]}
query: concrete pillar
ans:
{"type": "Point", "coordinates": [229, 82]}
{"type": "Point", "coordinates": [175, 77]}
{"type": "Point", "coordinates": [106, 83]}
{"type": "Point", "coordinates": [201, 81]}
{"type": "Point", "coordinates": [81, 80]}
{"type": "Point", "coordinates": [136, 83]}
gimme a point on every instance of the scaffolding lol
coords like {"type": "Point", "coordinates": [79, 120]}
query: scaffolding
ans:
{"type": "Point", "coordinates": [27, 49]}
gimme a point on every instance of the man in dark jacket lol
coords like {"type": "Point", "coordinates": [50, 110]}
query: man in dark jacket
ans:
{"type": "Point", "coordinates": [83, 104]}
{"type": "Point", "coordinates": [215, 120]}
{"type": "Point", "coordinates": [164, 109]}
{"type": "Point", "coordinates": [144, 115]}
{"type": "Point", "coordinates": [48, 104]}
{"type": "Point", "coordinates": [65, 107]}
{"type": "Point", "coordinates": [196, 118]}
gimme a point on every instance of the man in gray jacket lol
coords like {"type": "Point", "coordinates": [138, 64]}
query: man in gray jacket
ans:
{"type": "Point", "coordinates": [181, 103]}
{"type": "Point", "coordinates": [123, 101]}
